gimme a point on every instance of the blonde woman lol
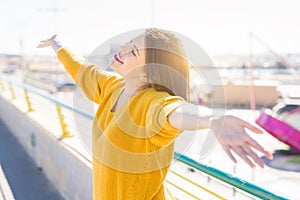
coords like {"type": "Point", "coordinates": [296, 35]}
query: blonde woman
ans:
{"type": "Point", "coordinates": [140, 114]}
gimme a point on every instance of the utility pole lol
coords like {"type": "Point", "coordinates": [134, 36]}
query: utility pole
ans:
{"type": "Point", "coordinates": [153, 5]}
{"type": "Point", "coordinates": [252, 82]}
{"type": "Point", "coordinates": [54, 10]}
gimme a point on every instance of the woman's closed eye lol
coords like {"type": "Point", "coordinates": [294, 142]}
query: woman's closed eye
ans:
{"type": "Point", "coordinates": [130, 49]}
{"type": "Point", "coordinates": [133, 53]}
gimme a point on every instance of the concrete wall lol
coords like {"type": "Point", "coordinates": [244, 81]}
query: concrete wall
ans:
{"type": "Point", "coordinates": [240, 95]}
{"type": "Point", "coordinates": [67, 169]}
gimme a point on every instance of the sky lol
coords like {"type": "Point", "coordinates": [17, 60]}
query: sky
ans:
{"type": "Point", "coordinates": [218, 26]}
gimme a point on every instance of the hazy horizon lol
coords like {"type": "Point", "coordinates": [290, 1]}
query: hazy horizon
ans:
{"type": "Point", "coordinates": [219, 27]}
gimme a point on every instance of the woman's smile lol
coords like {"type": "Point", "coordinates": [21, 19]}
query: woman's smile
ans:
{"type": "Point", "coordinates": [117, 58]}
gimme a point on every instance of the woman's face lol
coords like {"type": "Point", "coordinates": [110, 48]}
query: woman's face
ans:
{"type": "Point", "coordinates": [130, 57]}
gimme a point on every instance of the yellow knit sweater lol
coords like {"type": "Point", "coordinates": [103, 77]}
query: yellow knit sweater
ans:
{"type": "Point", "coordinates": [133, 146]}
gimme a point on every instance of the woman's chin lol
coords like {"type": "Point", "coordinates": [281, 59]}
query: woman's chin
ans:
{"type": "Point", "coordinates": [115, 65]}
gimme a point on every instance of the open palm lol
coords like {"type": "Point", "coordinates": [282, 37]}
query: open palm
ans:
{"type": "Point", "coordinates": [232, 136]}
{"type": "Point", "coordinates": [47, 42]}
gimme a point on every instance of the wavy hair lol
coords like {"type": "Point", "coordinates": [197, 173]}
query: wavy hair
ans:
{"type": "Point", "coordinates": [167, 68]}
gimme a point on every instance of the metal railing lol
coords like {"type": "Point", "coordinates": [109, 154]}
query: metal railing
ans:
{"type": "Point", "coordinates": [230, 180]}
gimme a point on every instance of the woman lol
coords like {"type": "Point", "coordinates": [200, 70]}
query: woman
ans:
{"type": "Point", "coordinates": [140, 114]}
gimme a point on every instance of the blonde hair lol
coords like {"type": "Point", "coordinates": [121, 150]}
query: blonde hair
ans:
{"type": "Point", "coordinates": [166, 66]}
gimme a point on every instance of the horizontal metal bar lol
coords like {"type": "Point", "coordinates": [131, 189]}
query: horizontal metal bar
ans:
{"type": "Point", "coordinates": [229, 178]}
{"type": "Point", "coordinates": [183, 190]}
{"type": "Point", "coordinates": [46, 96]}
{"type": "Point", "coordinates": [198, 185]}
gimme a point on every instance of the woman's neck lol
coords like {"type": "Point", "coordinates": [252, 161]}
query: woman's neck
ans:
{"type": "Point", "coordinates": [132, 90]}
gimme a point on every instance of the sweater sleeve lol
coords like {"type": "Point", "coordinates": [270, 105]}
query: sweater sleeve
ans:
{"type": "Point", "coordinates": [158, 114]}
{"type": "Point", "coordinates": [93, 81]}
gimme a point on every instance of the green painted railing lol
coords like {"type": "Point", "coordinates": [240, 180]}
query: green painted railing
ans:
{"type": "Point", "coordinates": [227, 178]}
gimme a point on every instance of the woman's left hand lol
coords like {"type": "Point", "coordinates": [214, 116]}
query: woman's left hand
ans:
{"type": "Point", "coordinates": [231, 134]}
{"type": "Point", "coordinates": [52, 41]}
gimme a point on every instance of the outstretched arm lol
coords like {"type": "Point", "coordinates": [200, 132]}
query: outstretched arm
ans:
{"type": "Point", "coordinates": [229, 130]}
{"type": "Point", "coordinates": [91, 79]}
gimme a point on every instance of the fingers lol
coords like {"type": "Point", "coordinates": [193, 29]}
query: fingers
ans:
{"type": "Point", "coordinates": [53, 37]}
{"type": "Point", "coordinates": [242, 154]}
{"type": "Point", "coordinates": [258, 147]}
{"type": "Point", "coordinates": [251, 127]}
{"type": "Point", "coordinates": [46, 43]}
{"type": "Point", "coordinates": [41, 44]}
{"type": "Point", "coordinates": [245, 153]}
{"type": "Point", "coordinates": [235, 139]}
{"type": "Point", "coordinates": [253, 142]}
{"type": "Point", "coordinates": [229, 154]}
{"type": "Point", "coordinates": [269, 155]}
{"type": "Point", "coordinates": [253, 155]}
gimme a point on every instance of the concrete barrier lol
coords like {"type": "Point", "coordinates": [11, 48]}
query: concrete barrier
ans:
{"type": "Point", "coordinates": [239, 94]}
{"type": "Point", "coordinates": [69, 171]}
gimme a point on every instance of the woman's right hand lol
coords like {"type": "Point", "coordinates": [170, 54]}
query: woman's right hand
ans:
{"type": "Point", "coordinates": [232, 136]}
{"type": "Point", "coordinates": [53, 41]}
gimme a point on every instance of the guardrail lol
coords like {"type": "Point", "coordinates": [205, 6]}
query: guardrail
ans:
{"type": "Point", "coordinates": [229, 179]}
{"type": "Point", "coordinates": [251, 190]}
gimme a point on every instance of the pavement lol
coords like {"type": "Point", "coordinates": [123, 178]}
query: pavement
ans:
{"type": "Point", "coordinates": [20, 178]}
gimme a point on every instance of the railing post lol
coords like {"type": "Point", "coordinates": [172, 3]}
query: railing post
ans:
{"type": "Point", "coordinates": [65, 132]}
{"type": "Point", "coordinates": [13, 95]}
{"type": "Point", "coordinates": [253, 175]}
{"type": "Point", "coordinates": [29, 105]}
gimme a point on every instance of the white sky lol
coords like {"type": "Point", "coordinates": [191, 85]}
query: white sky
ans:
{"type": "Point", "coordinates": [219, 26]}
